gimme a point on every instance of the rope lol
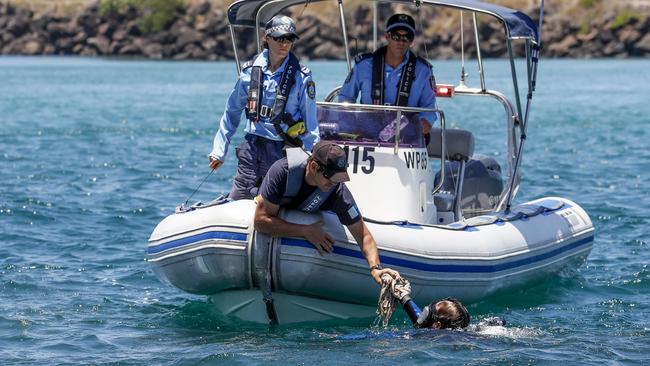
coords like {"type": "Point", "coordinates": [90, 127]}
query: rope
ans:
{"type": "Point", "coordinates": [200, 184]}
{"type": "Point", "coordinates": [391, 289]}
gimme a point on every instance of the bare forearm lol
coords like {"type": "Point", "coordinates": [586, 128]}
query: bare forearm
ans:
{"type": "Point", "coordinates": [275, 226]}
{"type": "Point", "coordinates": [366, 242]}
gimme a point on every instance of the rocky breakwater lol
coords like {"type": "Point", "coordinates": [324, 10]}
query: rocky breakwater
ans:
{"type": "Point", "coordinates": [197, 32]}
{"type": "Point", "coordinates": [201, 32]}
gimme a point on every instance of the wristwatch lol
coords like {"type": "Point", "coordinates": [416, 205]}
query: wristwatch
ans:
{"type": "Point", "coordinates": [376, 266]}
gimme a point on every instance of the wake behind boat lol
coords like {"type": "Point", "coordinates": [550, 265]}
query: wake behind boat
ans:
{"type": "Point", "coordinates": [441, 215]}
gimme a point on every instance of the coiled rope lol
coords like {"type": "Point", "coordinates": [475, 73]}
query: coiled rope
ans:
{"type": "Point", "coordinates": [391, 289]}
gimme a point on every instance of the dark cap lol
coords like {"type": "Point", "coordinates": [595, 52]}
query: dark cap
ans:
{"type": "Point", "coordinates": [332, 159]}
{"type": "Point", "coordinates": [280, 25]}
{"type": "Point", "coordinates": [401, 21]}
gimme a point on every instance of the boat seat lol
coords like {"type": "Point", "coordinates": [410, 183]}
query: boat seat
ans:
{"type": "Point", "coordinates": [460, 144]}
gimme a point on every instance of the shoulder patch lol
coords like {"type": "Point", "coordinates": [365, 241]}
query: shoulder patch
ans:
{"type": "Point", "coordinates": [362, 56]}
{"type": "Point", "coordinates": [305, 70]}
{"type": "Point", "coordinates": [311, 89]}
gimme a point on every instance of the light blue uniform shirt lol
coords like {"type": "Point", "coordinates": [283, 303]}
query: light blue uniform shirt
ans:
{"type": "Point", "coordinates": [421, 95]}
{"type": "Point", "coordinates": [299, 104]}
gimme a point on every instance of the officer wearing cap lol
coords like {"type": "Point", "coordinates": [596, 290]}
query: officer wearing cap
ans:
{"type": "Point", "coordinates": [393, 74]}
{"type": "Point", "coordinates": [312, 183]}
{"type": "Point", "coordinates": [278, 96]}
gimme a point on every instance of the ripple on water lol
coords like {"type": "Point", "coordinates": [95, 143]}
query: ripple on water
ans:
{"type": "Point", "coordinates": [96, 152]}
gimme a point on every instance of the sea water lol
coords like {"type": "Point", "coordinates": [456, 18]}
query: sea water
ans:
{"type": "Point", "coordinates": [95, 152]}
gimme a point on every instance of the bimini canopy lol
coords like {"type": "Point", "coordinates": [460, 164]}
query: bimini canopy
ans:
{"type": "Point", "coordinates": [517, 24]}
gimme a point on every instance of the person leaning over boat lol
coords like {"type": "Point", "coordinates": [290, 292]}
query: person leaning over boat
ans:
{"type": "Point", "coordinates": [393, 74]}
{"type": "Point", "coordinates": [312, 183]}
{"type": "Point", "coordinates": [278, 95]}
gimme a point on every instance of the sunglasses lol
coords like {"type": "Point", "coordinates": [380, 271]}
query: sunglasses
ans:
{"type": "Point", "coordinates": [403, 37]}
{"type": "Point", "coordinates": [284, 39]}
{"type": "Point", "coordinates": [327, 173]}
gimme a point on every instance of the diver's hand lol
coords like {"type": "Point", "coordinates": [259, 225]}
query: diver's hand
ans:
{"type": "Point", "coordinates": [215, 163]}
{"type": "Point", "coordinates": [315, 234]}
{"type": "Point", "coordinates": [378, 273]}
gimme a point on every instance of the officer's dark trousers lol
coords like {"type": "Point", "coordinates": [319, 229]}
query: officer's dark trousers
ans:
{"type": "Point", "coordinates": [255, 155]}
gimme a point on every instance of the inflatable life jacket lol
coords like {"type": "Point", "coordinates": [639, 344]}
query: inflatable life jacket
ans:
{"type": "Point", "coordinates": [405, 83]}
{"type": "Point", "coordinates": [297, 163]}
{"type": "Point", "coordinates": [255, 110]}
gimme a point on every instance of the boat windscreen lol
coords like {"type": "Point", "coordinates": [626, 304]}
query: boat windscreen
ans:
{"type": "Point", "coordinates": [369, 127]}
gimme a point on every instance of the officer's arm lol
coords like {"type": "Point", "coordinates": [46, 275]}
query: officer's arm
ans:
{"type": "Point", "coordinates": [368, 246]}
{"type": "Point", "coordinates": [230, 119]}
{"type": "Point", "coordinates": [350, 90]}
{"type": "Point", "coordinates": [427, 98]}
{"type": "Point", "coordinates": [267, 222]}
{"type": "Point", "coordinates": [308, 111]}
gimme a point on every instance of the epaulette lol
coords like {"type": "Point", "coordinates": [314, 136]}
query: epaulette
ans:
{"type": "Point", "coordinates": [305, 70]}
{"type": "Point", "coordinates": [425, 61]}
{"type": "Point", "coordinates": [362, 56]}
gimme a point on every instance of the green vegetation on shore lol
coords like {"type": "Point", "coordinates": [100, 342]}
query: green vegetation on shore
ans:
{"type": "Point", "coordinates": [157, 14]}
{"type": "Point", "coordinates": [198, 29]}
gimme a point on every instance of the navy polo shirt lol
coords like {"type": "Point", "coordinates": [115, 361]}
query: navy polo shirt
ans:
{"type": "Point", "coordinates": [340, 201]}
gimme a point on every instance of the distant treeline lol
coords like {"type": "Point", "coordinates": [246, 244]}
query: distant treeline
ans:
{"type": "Point", "coordinates": [174, 29]}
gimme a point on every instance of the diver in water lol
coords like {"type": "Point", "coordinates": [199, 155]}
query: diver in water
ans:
{"type": "Point", "coordinates": [447, 313]}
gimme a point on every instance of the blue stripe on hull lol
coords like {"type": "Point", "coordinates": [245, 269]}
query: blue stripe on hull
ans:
{"type": "Point", "coordinates": [455, 268]}
{"type": "Point", "coordinates": [226, 235]}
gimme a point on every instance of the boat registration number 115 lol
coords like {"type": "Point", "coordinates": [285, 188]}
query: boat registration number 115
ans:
{"type": "Point", "coordinates": [367, 161]}
{"type": "Point", "coordinates": [360, 157]}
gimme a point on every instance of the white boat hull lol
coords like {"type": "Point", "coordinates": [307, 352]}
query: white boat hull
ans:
{"type": "Point", "coordinates": [215, 251]}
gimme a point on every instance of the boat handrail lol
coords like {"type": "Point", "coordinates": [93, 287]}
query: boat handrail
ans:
{"type": "Point", "coordinates": [374, 107]}
{"type": "Point", "coordinates": [512, 122]}
{"type": "Point", "coordinates": [330, 97]}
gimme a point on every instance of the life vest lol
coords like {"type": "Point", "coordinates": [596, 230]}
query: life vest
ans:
{"type": "Point", "coordinates": [255, 110]}
{"type": "Point", "coordinates": [297, 163]}
{"type": "Point", "coordinates": [405, 83]}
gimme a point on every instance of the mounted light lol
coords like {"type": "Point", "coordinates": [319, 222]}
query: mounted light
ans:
{"type": "Point", "coordinates": [444, 90]}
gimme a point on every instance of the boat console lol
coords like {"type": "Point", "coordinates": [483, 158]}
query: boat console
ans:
{"type": "Point", "coordinates": [391, 177]}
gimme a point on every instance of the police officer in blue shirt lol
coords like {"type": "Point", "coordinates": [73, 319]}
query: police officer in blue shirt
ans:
{"type": "Point", "coordinates": [278, 95]}
{"type": "Point", "coordinates": [394, 75]}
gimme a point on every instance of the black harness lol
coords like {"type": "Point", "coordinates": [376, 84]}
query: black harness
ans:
{"type": "Point", "coordinates": [405, 83]}
{"type": "Point", "coordinates": [255, 110]}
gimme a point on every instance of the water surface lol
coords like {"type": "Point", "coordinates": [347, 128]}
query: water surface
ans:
{"type": "Point", "coordinates": [94, 153]}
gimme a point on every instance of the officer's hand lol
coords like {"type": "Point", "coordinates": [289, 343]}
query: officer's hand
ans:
{"type": "Point", "coordinates": [315, 234]}
{"type": "Point", "coordinates": [378, 273]}
{"type": "Point", "coordinates": [426, 126]}
{"type": "Point", "coordinates": [215, 163]}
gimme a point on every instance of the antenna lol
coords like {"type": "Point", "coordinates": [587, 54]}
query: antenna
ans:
{"type": "Point", "coordinates": [462, 53]}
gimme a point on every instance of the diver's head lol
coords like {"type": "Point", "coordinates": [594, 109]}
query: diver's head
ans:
{"type": "Point", "coordinates": [447, 313]}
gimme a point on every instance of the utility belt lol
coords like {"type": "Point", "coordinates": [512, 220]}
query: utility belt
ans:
{"type": "Point", "coordinates": [295, 128]}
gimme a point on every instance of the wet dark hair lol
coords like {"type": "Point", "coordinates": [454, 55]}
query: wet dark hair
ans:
{"type": "Point", "coordinates": [454, 317]}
